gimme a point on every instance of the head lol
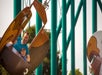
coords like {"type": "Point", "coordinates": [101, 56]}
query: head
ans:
{"type": "Point", "coordinates": [25, 38]}
{"type": "Point", "coordinates": [23, 52]}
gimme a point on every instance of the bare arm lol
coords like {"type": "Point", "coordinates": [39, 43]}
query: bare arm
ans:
{"type": "Point", "coordinates": [28, 58]}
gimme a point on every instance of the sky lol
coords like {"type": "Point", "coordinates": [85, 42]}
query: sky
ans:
{"type": "Point", "coordinates": [6, 14]}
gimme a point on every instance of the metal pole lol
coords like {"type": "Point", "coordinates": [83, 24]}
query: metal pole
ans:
{"type": "Point", "coordinates": [64, 53]}
{"type": "Point", "coordinates": [17, 7]}
{"type": "Point", "coordinates": [100, 4]}
{"type": "Point", "coordinates": [53, 37]}
{"type": "Point", "coordinates": [94, 16]}
{"type": "Point", "coordinates": [76, 18]}
{"type": "Point", "coordinates": [72, 39]}
{"type": "Point", "coordinates": [38, 26]}
{"type": "Point", "coordinates": [84, 39]}
{"type": "Point", "coordinates": [38, 21]}
{"type": "Point", "coordinates": [60, 22]}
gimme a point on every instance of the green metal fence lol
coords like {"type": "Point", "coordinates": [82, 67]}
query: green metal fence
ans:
{"type": "Point", "coordinates": [71, 37]}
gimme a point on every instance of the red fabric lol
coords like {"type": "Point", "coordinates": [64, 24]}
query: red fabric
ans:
{"type": "Point", "coordinates": [96, 65]}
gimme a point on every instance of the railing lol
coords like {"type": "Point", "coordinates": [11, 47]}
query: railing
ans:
{"type": "Point", "coordinates": [71, 37]}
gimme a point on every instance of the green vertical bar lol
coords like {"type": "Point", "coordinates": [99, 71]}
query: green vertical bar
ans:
{"type": "Point", "coordinates": [72, 39]}
{"type": "Point", "coordinates": [39, 70]}
{"type": "Point", "coordinates": [64, 66]}
{"type": "Point", "coordinates": [60, 22]}
{"type": "Point", "coordinates": [38, 26]}
{"type": "Point", "coordinates": [94, 16]}
{"type": "Point", "coordinates": [38, 23]}
{"type": "Point", "coordinates": [100, 4]}
{"type": "Point", "coordinates": [84, 39]}
{"type": "Point", "coordinates": [76, 18]}
{"type": "Point", "coordinates": [17, 7]}
{"type": "Point", "coordinates": [53, 37]}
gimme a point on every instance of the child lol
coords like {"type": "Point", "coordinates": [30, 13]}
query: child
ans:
{"type": "Point", "coordinates": [23, 54]}
{"type": "Point", "coordinates": [22, 43]}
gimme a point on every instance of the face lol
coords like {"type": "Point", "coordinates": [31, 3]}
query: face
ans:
{"type": "Point", "coordinates": [23, 52]}
{"type": "Point", "coordinates": [25, 38]}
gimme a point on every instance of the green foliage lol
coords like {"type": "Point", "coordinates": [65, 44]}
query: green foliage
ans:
{"type": "Point", "coordinates": [77, 72]}
{"type": "Point", "coordinates": [46, 65]}
{"type": "Point", "coordinates": [3, 71]}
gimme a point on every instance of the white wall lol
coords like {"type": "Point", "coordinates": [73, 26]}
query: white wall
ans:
{"type": "Point", "coordinates": [6, 14]}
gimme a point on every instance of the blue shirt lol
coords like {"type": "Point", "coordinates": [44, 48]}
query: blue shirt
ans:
{"type": "Point", "coordinates": [18, 46]}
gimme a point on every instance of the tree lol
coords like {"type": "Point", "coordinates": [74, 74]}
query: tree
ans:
{"type": "Point", "coordinates": [3, 71]}
{"type": "Point", "coordinates": [77, 72]}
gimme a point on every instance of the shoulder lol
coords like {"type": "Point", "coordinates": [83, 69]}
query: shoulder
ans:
{"type": "Point", "coordinates": [19, 38]}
